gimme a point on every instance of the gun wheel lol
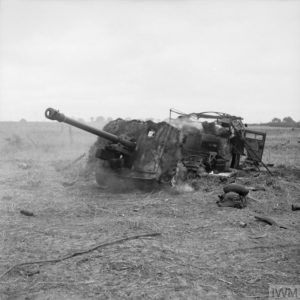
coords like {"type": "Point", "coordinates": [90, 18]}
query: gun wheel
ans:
{"type": "Point", "coordinates": [102, 174]}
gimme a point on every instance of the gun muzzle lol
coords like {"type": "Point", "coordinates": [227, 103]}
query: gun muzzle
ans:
{"type": "Point", "coordinates": [54, 114]}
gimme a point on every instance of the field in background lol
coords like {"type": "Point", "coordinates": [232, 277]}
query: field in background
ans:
{"type": "Point", "coordinates": [282, 146]}
{"type": "Point", "coordinates": [36, 139]}
{"type": "Point", "coordinates": [203, 252]}
{"type": "Point", "coordinates": [52, 138]}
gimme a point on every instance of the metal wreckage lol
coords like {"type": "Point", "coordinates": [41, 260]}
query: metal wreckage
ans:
{"type": "Point", "coordinates": [186, 146]}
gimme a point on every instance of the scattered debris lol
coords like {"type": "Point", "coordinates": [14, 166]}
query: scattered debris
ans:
{"type": "Point", "coordinates": [30, 273]}
{"type": "Point", "coordinates": [27, 213]}
{"type": "Point", "coordinates": [269, 221]}
{"type": "Point", "coordinates": [237, 188]}
{"type": "Point", "coordinates": [256, 188]}
{"type": "Point", "coordinates": [242, 224]}
{"type": "Point", "coordinates": [250, 168]}
{"type": "Point", "coordinates": [231, 199]}
{"type": "Point", "coordinates": [295, 207]}
{"type": "Point", "coordinates": [24, 166]}
{"type": "Point", "coordinates": [184, 188]}
{"type": "Point", "coordinates": [66, 183]}
{"type": "Point", "coordinates": [224, 175]}
{"type": "Point", "coordinates": [234, 196]}
{"type": "Point", "coordinates": [228, 282]}
{"type": "Point", "coordinates": [257, 236]}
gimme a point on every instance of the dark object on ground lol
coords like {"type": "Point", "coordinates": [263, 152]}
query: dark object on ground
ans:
{"type": "Point", "coordinates": [23, 166]}
{"type": "Point", "coordinates": [66, 183]}
{"type": "Point", "coordinates": [26, 213]}
{"type": "Point", "coordinates": [237, 188]}
{"type": "Point", "coordinates": [257, 236]}
{"type": "Point", "coordinates": [31, 273]}
{"type": "Point", "coordinates": [269, 221]}
{"type": "Point", "coordinates": [242, 224]}
{"type": "Point", "coordinates": [55, 260]}
{"type": "Point", "coordinates": [256, 188]}
{"type": "Point", "coordinates": [232, 199]}
{"type": "Point", "coordinates": [295, 207]}
{"type": "Point", "coordinates": [149, 151]}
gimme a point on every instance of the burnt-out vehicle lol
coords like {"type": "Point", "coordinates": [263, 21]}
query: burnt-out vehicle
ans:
{"type": "Point", "coordinates": [215, 142]}
{"type": "Point", "coordinates": [144, 150]}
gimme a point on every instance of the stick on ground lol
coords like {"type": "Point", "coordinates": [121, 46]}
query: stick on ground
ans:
{"type": "Point", "coordinates": [269, 221]}
{"type": "Point", "coordinates": [55, 260]}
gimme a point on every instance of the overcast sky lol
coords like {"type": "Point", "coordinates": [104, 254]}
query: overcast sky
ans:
{"type": "Point", "coordinates": [138, 58]}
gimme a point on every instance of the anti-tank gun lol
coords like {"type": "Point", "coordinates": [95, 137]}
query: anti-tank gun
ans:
{"type": "Point", "coordinates": [131, 149]}
{"type": "Point", "coordinates": [197, 143]}
{"type": "Point", "coordinates": [118, 152]}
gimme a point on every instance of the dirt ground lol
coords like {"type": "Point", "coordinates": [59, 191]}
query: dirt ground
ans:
{"type": "Point", "coordinates": [202, 251]}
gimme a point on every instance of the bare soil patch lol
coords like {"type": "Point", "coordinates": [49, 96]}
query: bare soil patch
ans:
{"type": "Point", "coordinates": [204, 251]}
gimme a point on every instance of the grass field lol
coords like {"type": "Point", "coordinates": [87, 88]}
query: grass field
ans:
{"type": "Point", "coordinates": [202, 251]}
{"type": "Point", "coordinates": [282, 146]}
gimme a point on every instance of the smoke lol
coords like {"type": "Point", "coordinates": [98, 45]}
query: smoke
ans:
{"type": "Point", "coordinates": [186, 123]}
{"type": "Point", "coordinates": [113, 182]}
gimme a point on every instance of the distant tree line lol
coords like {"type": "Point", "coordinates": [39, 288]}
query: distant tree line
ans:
{"type": "Point", "coordinates": [285, 122]}
{"type": "Point", "coordinates": [275, 122]}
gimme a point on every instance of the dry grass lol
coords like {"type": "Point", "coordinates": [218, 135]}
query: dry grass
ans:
{"type": "Point", "coordinates": [282, 146]}
{"type": "Point", "coordinates": [203, 252]}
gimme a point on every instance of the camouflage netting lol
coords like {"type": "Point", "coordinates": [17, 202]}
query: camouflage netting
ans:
{"type": "Point", "coordinates": [166, 140]}
{"type": "Point", "coordinates": [118, 127]}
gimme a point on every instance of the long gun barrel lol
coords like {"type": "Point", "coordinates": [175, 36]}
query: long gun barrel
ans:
{"type": "Point", "coordinates": [53, 114]}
